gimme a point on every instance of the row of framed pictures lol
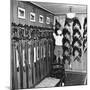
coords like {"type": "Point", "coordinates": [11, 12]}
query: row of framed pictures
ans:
{"type": "Point", "coordinates": [21, 14]}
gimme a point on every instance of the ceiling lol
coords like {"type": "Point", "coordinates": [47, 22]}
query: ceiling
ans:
{"type": "Point", "coordinates": [61, 8]}
{"type": "Point", "coordinates": [84, 2]}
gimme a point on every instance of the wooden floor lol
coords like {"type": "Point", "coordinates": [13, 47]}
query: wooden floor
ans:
{"type": "Point", "coordinates": [74, 78]}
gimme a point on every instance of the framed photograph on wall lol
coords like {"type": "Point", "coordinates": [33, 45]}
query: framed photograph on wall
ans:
{"type": "Point", "coordinates": [21, 13]}
{"type": "Point", "coordinates": [32, 17]}
{"type": "Point", "coordinates": [41, 18]}
{"type": "Point", "coordinates": [47, 20]}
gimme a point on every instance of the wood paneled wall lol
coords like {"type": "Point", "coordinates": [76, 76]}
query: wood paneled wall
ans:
{"type": "Point", "coordinates": [76, 66]}
{"type": "Point", "coordinates": [29, 7]}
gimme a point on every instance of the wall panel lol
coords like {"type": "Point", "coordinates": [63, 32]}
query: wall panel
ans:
{"type": "Point", "coordinates": [29, 7]}
{"type": "Point", "coordinates": [76, 66]}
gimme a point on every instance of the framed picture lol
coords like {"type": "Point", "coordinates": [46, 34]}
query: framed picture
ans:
{"type": "Point", "coordinates": [47, 20]}
{"type": "Point", "coordinates": [21, 13]}
{"type": "Point", "coordinates": [32, 17]}
{"type": "Point", "coordinates": [41, 18]}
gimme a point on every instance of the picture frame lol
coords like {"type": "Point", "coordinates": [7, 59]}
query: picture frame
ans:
{"type": "Point", "coordinates": [41, 19]}
{"type": "Point", "coordinates": [47, 20]}
{"type": "Point", "coordinates": [32, 17]}
{"type": "Point", "coordinates": [21, 13]}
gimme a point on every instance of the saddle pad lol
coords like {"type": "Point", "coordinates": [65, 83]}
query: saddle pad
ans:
{"type": "Point", "coordinates": [48, 82]}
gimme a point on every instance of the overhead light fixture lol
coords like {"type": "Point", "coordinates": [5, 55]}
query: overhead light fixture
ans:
{"type": "Point", "coordinates": [70, 14]}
